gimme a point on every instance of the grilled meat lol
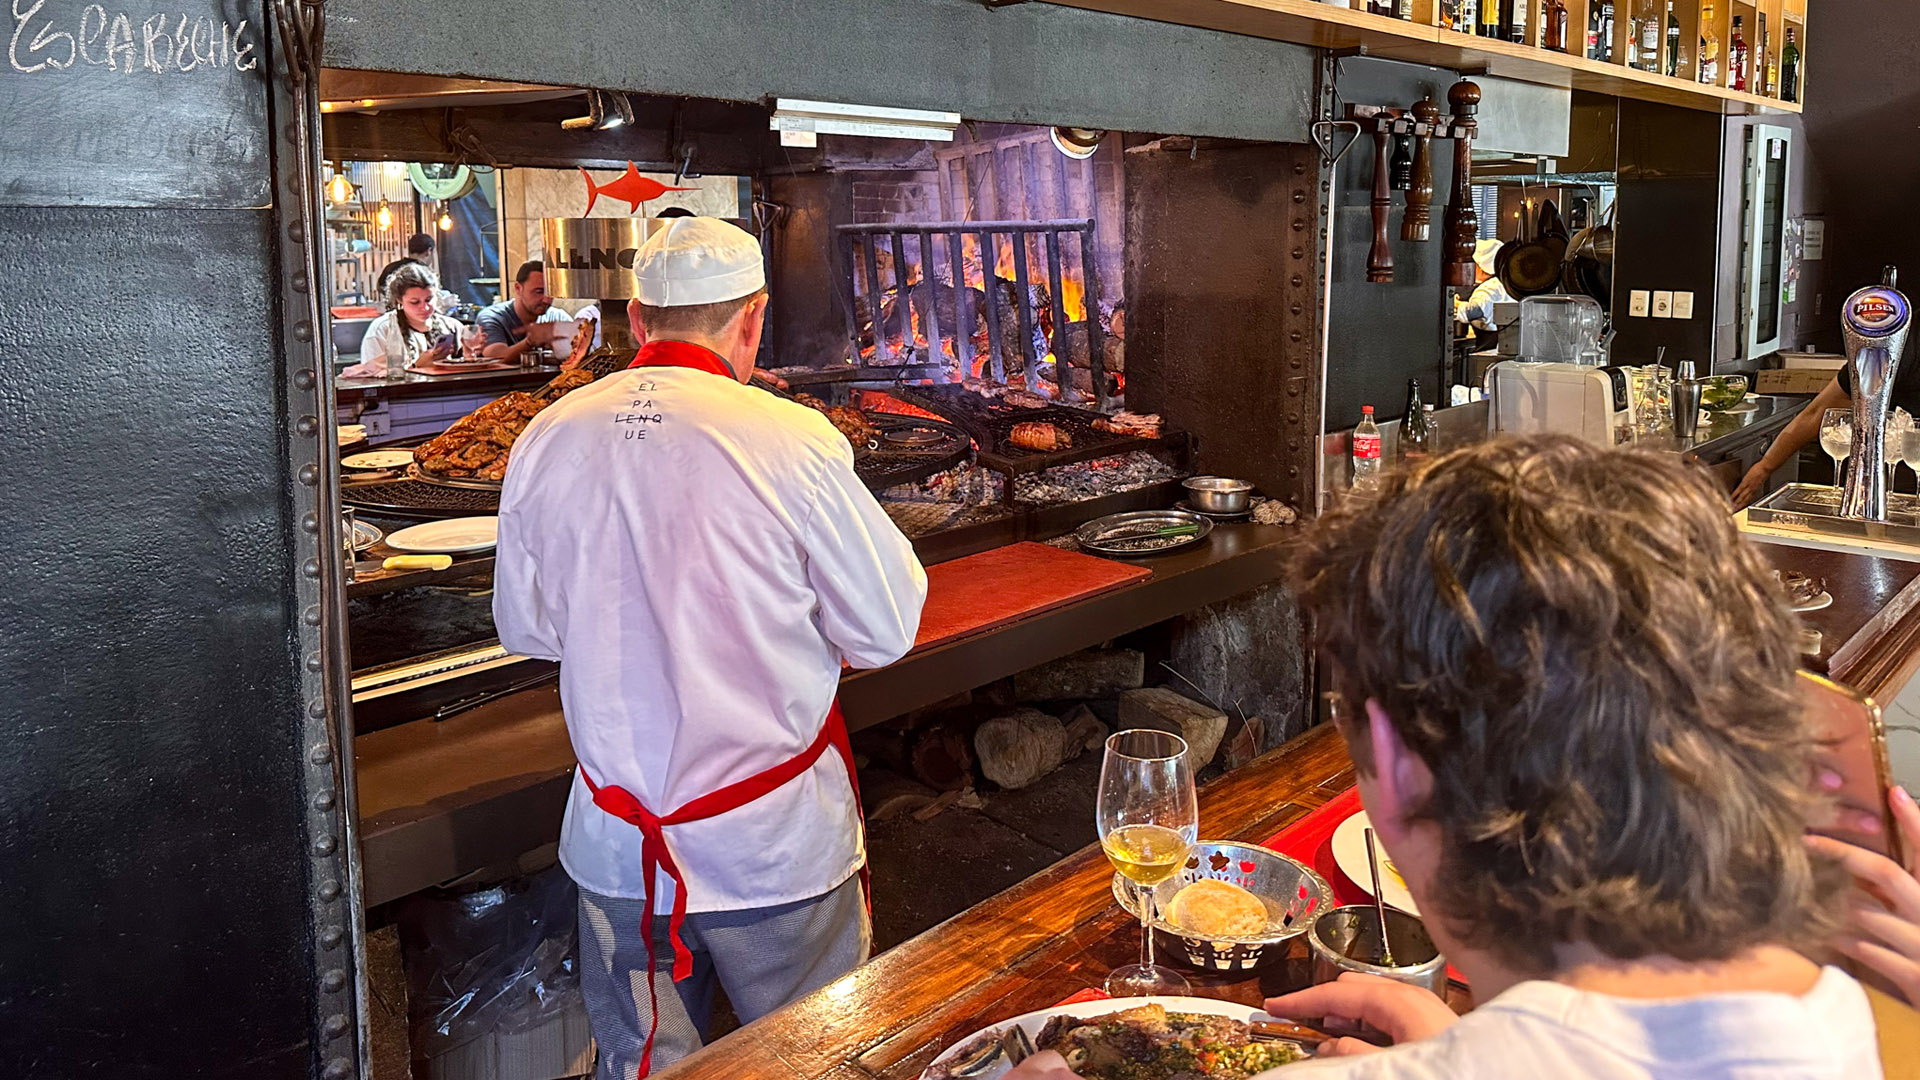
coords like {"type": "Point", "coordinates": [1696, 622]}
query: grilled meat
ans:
{"type": "Point", "coordinates": [1143, 425]}
{"type": "Point", "coordinates": [1025, 399]}
{"type": "Point", "coordinates": [1150, 1043]}
{"type": "Point", "coordinates": [583, 332]}
{"type": "Point", "coordinates": [478, 444]}
{"type": "Point", "coordinates": [1043, 437]}
{"type": "Point", "coordinates": [846, 419]}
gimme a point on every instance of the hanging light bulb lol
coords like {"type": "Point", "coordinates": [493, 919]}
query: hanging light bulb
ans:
{"type": "Point", "coordinates": [384, 218]}
{"type": "Point", "coordinates": [446, 220]}
{"type": "Point", "coordinates": [338, 189]}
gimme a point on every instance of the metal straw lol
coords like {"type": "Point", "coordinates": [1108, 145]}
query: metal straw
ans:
{"type": "Point", "coordinates": [1379, 901]}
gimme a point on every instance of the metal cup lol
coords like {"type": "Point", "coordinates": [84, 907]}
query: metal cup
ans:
{"type": "Point", "coordinates": [1348, 939]}
{"type": "Point", "coordinates": [1686, 406]}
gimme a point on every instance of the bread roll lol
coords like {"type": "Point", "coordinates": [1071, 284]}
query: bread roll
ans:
{"type": "Point", "coordinates": [1218, 909]}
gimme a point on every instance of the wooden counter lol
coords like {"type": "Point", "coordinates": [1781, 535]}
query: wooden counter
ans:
{"type": "Point", "coordinates": [1051, 936]}
{"type": "Point", "coordinates": [349, 391]}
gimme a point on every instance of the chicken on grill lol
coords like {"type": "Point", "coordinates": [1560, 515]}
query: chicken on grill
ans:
{"type": "Point", "coordinates": [846, 419]}
{"type": "Point", "coordinates": [478, 444]}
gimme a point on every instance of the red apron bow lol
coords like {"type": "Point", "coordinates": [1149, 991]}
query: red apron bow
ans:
{"type": "Point", "coordinates": [655, 856]}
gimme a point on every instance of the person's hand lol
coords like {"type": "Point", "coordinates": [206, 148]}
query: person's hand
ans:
{"type": "Point", "coordinates": [1751, 485]}
{"type": "Point", "coordinates": [1045, 1065]}
{"type": "Point", "coordinates": [1883, 923]}
{"type": "Point", "coordinates": [1403, 1013]}
{"type": "Point", "coordinates": [436, 354]}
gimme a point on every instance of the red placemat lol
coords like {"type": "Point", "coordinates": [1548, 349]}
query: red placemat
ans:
{"type": "Point", "coordinates": [1310, 840]}
{"type": "Point", "coordinates": [993, 588]}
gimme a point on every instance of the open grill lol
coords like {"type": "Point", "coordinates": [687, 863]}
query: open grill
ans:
{"type": "Point", "coordinates": [407, 497]}
{"type": "Point", "coordinates": [917, 318]}
{"type": "Point", "coordinates": [910, 449]}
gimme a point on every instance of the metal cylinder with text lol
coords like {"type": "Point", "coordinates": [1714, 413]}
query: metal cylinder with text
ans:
{"type": "Point", "coordinates": [1874, 322]}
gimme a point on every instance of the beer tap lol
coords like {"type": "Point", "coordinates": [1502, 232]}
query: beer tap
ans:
{"type": "Point", "coordinates": [1461, 224]}
{"type": "Point", "coordinates": [1874, 323]}
{"type": "Point", "coordinates": [1380, 259]}
{"type": "Point", "coordinates": [1418, 223]}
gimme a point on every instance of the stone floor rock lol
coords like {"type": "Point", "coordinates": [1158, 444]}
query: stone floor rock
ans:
{"type": "Point", "coordinates": [1200, 724]}
{"type": "Point", "coordinates": [1091, 673]}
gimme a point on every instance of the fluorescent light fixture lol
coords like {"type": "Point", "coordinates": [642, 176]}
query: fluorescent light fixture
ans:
{"type": "Point", "coordinates": [804, 118]}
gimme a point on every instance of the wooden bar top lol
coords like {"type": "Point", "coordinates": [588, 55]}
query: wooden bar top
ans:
{"type": "Point", "coordinates": [1043, 940]}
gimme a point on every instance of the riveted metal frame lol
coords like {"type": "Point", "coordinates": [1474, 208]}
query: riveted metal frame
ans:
{"type": "Point", "coordinates": [311, 470]}
{"type": "Point", "coordinates": [1324, 99]}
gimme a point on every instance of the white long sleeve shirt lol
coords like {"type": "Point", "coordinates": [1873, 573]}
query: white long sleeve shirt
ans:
{"type": "Point", "coordinates": [701, 559]}
{"type": "Point", "coordinates": [1547, 1031]}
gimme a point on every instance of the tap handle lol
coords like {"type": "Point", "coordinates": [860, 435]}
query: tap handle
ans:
{"type": "Point", "coordinates": [1890, 277]}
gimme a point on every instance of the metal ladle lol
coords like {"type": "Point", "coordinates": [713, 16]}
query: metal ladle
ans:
{"type": "Point", "coordinates": [1379, 901]}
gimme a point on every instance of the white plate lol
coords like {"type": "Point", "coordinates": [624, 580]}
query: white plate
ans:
{"type": "Point", "coordinates": [1034, 1021]}
{"type": "Point", "coordinates": [378, 459]}
{"type": "Point", "coordinates": [449, 537]}
{"type": "Point", "coordinates": [365, 535]}
{"type": "Point", "coordinates": [1824, 600]}
{"type": "Point", "coordinates": [351, 433]}
{"type": "Point", "coordinates": [1350, 853]}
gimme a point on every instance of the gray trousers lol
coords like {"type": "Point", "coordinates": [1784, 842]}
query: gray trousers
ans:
{"type": "Point", "coordinates": [763, 957]}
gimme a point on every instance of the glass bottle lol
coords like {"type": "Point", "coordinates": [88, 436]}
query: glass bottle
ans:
{"type": "Point", "coordinates": [1770, 61]}
{"type": "Point", "coordinates": [1647, 38]}
{"type": "Point", "coordinates": [1515, 12]}
{"type": "Point", "coordinates": [1489, 18]}
{"type": "Point", "coordinates": [1737, 55]}
{"type": "Point", "coordinates": [1675, 56]}
{"type": "Point", "coordinates": [1709, 47]}
{"type": "Point", "coordinates": [1414, 441]}
{"type": "Point", "coordinates": [1366, 452]}
{"type": "Point", "coordinates": [1403, 9]}
{"type": "Point", "coordinates": [1600, 31]}
{"type": "Point", "coordinates": [1790, 69]}
{"type": "Point", "coordinates": [1554, 32]}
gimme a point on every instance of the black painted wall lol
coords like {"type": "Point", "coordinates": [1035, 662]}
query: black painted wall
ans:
{"type": "Point", "coordinates": [1381, 335]}
{"type": "Point", "coordinates": [153, 865]}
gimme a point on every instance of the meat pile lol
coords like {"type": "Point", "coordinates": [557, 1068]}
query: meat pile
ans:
{"type": "Point", "coordinates": [476, 447]}
{"type": "Point", "coordinates": [1141, 425]}
{"type": "Point", "coordinates": [846, 419]}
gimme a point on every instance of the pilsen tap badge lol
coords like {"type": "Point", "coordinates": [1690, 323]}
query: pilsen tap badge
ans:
{"type": "Point", "coordinates": [1877, 311]}
{"type": "Point", "coordinates": [629, 187]}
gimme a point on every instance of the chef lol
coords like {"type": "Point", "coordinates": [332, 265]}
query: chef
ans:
{"type": "Point", "coordinates": [701, 559]}
{"type": "Point", "coordinates": [1477, 309]}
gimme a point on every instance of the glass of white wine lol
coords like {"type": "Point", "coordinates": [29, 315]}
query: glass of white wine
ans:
{"type": "Point", "coordinates": [1836, 438]}
{"type": "Point", "coordinates": [1149, 817]}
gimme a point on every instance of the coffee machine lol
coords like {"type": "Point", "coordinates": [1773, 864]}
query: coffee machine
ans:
{"type": "Point", "coordinates": [1874, 323]}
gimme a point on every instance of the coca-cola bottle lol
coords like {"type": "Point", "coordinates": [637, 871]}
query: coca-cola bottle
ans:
{"type": "Point", "coordinates": [1366, 452]}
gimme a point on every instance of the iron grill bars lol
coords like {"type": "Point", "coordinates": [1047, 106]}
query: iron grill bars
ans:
{"type": "Point", "coordinates": [860, 243]}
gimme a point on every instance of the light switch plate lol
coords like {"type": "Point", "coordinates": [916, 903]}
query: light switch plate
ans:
{"type": "Point", "coordinates": [1663, 304]}
{"type": "Point", "coordinates": [1638, 301]}
{"type": "Point", "coordinates": [1683, 305]}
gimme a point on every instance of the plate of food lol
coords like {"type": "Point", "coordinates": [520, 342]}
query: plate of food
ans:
{"type": "Point", "coordinates": [452, 536]}
{"type": "Point", "coordinates": [1162, 1038]}
{"type": "Point", "coordinates": [1350, 854]}
{"type": "Point", "coordinates": [378, 459]}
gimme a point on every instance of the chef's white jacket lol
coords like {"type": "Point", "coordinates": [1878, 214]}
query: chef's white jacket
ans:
{"type": "Point", "coordinates": [701, 558]}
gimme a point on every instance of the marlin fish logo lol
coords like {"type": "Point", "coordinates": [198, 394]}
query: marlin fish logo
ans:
{"type": "Point", "coordinates": [629, 187]}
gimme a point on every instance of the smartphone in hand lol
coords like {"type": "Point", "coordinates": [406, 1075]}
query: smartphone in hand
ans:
{"type": "Point", "coordinates": [1851, 766]}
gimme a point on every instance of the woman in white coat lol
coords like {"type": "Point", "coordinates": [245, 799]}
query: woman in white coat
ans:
{"type": "Point", "coordinates": [411, 332]}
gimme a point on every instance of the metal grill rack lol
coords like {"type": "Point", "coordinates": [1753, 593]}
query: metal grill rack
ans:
{"type": "Point", "coordinates": [910, 449]}
{"type": "Point", "coordinates": [425, 500]}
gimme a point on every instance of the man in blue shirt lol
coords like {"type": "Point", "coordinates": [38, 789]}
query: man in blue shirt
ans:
{"type": "Point", "coordinates": [514, 327]}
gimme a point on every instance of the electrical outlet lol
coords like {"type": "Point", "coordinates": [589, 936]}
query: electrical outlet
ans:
{"type": "Point", "coordinates": [1683, 305]}
{"type": "Point", "coordinates": [1638, 301]}
{"type": "Point", "coordinates": [1663, 304]}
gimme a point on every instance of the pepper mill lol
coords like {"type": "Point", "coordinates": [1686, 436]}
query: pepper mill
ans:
{"type": "Point", "coordinates": [1418, 224]}
{"type": "Point", "coordinates": [1380, 258]}
{"type": "Point", "coordinates": [1461, 224]}
{"type": "Point", "coordinates": [1402, 162]}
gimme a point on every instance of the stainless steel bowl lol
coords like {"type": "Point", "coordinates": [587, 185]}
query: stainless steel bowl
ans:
{"type": "Point", "coordinates": [1131, 534]}
{"type": "Point", "coordinates": [1348, 939]}
{"type": "Point", "coordinates": [1292, 892]}
{"type": "Point", "coordinates": [1218, 494]}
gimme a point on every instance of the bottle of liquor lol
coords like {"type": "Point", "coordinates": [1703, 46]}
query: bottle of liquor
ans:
{"type": "Point", "coordinates": [1737, 55]}
{"type": "Point", "coordinates": [1709, 47]}
{"type": "Point", "coordinates": [1769, 60]}
{"type": "Point", "coordinates": [1514, 13]}
{"type": "Point", "coordinates": [1415, 435]}
{"type": "Point", "coordinates": [1554, 32]}
{"type": "Point", "coordinates": [1490, 18]}
{"type": "Point", "coordinates": [1449, 14]}
{"type": "Point", "coordinates": [1600, 31]}
{"type": "Point", "coordinates": [1403, 9]}
{"type": "Point", "coordinates": [1647, 38]}
{"type": "Point", "coordinates": [1790, 69]}
{"type": "Point", "coordinates": [1674, 55]}
{"type": "Point", "coordinates": [1366, 452]}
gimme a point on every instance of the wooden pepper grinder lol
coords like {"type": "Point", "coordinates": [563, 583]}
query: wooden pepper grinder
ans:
{"type": "Point", "coordinates": [1461, 225]}
{"type": "Point", "coordinates": [1418, 224]}
{"type": "Point", "coordinates": [1380, 259]}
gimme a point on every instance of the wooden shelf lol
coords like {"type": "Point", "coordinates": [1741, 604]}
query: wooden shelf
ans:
{"type": "Point", "coordinates": [1306, 22]}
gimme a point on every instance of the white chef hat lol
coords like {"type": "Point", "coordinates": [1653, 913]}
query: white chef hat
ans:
{"type": "Point", "coordinates": [698, 260]}
{"type": "Point", "coordinates": [1483, 253]}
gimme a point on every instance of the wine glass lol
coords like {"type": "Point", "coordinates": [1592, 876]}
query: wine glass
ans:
{"type": "Point", "coordinates": [1910, 452]}
{"type": "Point", "coordinates": [1893, 443]}
{"type": "Point", "coordinates": [1149, 817]}
{"type": "Point", "coordinates": [1836, 438]}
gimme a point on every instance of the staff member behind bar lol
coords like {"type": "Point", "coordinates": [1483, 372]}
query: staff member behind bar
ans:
{"type": "Point", "coordinates": [1805, 428]}
{"type": "Point", "coordinates": [701, 559]}
{"type": "Point", "coordinates": [522, 322]}
{"type": "Point", "coordinates": [411, 331]}
{"type": "Point", "coordinates": [1570, 699]}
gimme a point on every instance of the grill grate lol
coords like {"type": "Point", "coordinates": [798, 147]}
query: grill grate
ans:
{"type": "Point", "coordinates": [893, 463]}
{"type": "Point", "coordinates": [418, 499]}
{"type": "Point", "coordinates": [990, 420]}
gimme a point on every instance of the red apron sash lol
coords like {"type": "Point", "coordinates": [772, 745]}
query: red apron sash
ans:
{"type": "Point", "coordinates": [682, 354]}
{"type": "Point", "coordinates": [655, 856]}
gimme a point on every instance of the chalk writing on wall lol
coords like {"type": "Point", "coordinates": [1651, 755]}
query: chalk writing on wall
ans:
{"type": "Point", "coordinates": [159, 43]}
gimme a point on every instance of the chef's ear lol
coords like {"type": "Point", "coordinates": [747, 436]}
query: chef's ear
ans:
{"type": "Point", "coordinates": [634, 320]}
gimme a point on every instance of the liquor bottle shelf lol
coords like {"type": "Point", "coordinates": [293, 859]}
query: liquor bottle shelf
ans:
{"type": "Point", "coordinates": [1422, 40]}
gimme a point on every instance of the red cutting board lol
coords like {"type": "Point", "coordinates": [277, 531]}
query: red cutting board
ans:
{"type": "Point", "coordinates": [994, 588]}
